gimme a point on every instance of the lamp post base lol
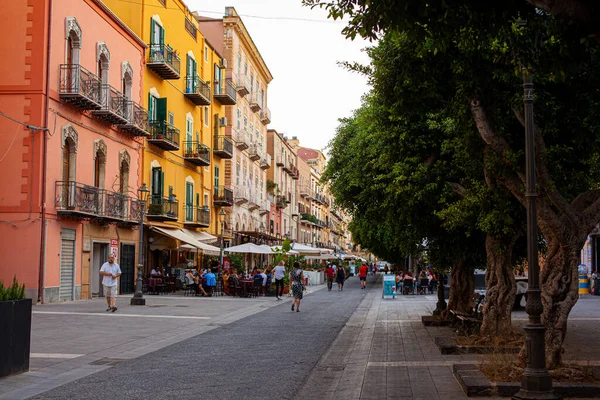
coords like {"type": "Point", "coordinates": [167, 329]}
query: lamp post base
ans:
{"type": "Point", "coordinates": [138, 301]}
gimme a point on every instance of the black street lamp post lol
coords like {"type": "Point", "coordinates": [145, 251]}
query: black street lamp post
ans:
{"type": "Point", "coordinates": [536, 382]}
{"type": "Point", "coordinates": [138, 296]}
{"type": "Point", "coordinates": [222, 220]}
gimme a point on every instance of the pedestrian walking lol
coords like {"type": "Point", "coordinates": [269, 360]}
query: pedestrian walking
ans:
{"type": "Point", "coordinates": [330, 273]}
{"type": "Point", "coordinates": [278, 274]}
{"type": "Point", "coordinates": [362, 275]}
{"type": "Point", "coordinates": [297, 281]}
{"type": "Point", "coordinates": [340, 276]}
{"type": "Point", "coordinates": [110, 271]}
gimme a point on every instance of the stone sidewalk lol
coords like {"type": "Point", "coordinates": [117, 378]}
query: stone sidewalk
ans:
{"type": "Point", "coordinates": [385, 352]}
{"type": "Point", "coordinates": [75, 339]}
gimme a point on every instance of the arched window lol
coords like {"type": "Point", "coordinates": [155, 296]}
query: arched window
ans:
{"type": "Point", "coordinates": [124, 162]}
{"type": "Point", "coordinates": [103, 66]}
{"type": "Point", "coordinates": [99, 162]}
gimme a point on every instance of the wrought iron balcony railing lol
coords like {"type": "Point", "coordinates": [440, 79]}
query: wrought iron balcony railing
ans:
{"type": "Point", "coordinates": [242, 194]}
{"type": "Point", "coordinates": [255, 102]}
{"type": "Point", "coordinates": [306, 191]}
{"type": "Point", "coordinates": [196, 152]}
{"type": "Point", "coordinates": [254, 152]}
{"type": "Point", "coordinates": [136, 119]}
{"type": "Point", "coordinates": [164, 135]}
{"type": "Point", "coordinates": [164, 61]}
{"type": "Point", "coordinates": [225, 92]}
{"type": "Point", "coordinates": [223, 146]}
{"type": "Point", "coordinates": [242, 85]}
{"type": "Point", "coordinates": [113, 106]}
{"type": "Point", "coordinates": [197, 216]}
{"type": "Point", "coordinates": [197, 91]}
{"type": "Point", "coordinates": [265, 207]}
{"type": "Point", "coordinates": [241, 139]}
{"type": "Point", "coordinates": [265, 162]}
{"type": "Point", "coordinates": [163, 208]}
{"type": "Point", "coordinates": [223, 196]}
{"type": "Point", "coordinates": [265, 116]}
{"type": "Point", "coordinates": [79, 87]}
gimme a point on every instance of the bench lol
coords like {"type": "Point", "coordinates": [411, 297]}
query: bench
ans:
{"type": "Point", "coordinates": [469, 322]}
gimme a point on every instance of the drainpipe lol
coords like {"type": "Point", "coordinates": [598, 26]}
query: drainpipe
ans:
{"type": "Point", "coordinates": [44, 148]}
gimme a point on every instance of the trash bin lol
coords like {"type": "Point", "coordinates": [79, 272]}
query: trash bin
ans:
{"type": "Point", "coordinates": [597, 286]}
{"type": "Point", "coordinates": [584, 284]}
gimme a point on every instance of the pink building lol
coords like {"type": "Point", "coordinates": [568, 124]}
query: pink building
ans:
{"type": "Point", "coordinates": [68, 195]}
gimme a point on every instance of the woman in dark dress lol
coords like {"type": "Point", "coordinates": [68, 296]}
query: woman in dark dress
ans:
{"type": "Point", "coordinates": [297, 279]}
{"type": "Point", "coordinates": [340, 275]}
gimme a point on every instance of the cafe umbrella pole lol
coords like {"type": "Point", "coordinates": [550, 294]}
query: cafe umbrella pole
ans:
{"type": "Point", "coordinates": [222, 220]}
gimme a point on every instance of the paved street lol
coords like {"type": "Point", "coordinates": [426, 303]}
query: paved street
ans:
{"type": "Point", "coordinates": [348, 345]}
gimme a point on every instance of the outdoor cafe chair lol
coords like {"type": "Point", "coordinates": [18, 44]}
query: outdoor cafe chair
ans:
{"type": "Point", "coordinates": [257, 287]}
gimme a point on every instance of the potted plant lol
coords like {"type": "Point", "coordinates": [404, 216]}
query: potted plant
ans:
{"type": "Point", "coordinates": [15, 329]}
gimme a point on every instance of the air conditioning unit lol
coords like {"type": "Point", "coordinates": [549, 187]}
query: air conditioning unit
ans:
{"type": "Point", "coordinates": [223, 63]}
{"type": "Point", "coordinates": [223, 121]}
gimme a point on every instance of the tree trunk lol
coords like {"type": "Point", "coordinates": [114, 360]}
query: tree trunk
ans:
{"type": "Point", "coordinates": [462, 285]}
{"type": "Point", "coordinates": [560, 291]}
{"type": "Point", "coordinates": [500, 286]}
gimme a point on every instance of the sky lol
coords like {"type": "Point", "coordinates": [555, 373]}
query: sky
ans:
{"type": "Point", "coordinates": [309, 91]}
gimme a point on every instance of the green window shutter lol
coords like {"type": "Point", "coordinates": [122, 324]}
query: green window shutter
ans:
{"type": "Point", "coordinates": [189, 194]}
{"type": "Point", "coordinates": [162, 35]}
{"type": "Point", "coordinates": [152, 29]}
{"type": "Point", "coordinates": [161, 109]}
{"type": "Point", "coordinates": [198, 199]}
{"type": "Point", "coordinates": [162, 184]}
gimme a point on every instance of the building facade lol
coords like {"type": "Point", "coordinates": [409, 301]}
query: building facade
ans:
{"type": "Point", "coordinates": [69, 193]}
{"type": "Point", "coordinates": [184, 156]}
{"type": "Point", "coordinates": [245, 124]}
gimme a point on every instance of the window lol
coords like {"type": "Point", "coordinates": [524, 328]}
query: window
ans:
{"type": "Point", "coordinates": [239, 62]}
{"type": "Point", "coordinates": [189, 201]}
{"type": "Point", "coordinates": [205, 53]}
{"type": "Point", "coordinates": [171, 119]}
{"type": "Point", "coordinates": [239, 118]}
{"type": "Point", "coordinates": [216, 179]}
{"type": "Point", "coordinates": [189, 134]}
{"type": "Point", "coordinates": [191, 28]}
{"type": "Point", "coordinates": [191, 81]}
{"type": "Point", "coordinates": [158, 185]}
{"type": "Point", "coordinates": [205, 116]}
{"type": "Point", "coordinates": [237, 173]}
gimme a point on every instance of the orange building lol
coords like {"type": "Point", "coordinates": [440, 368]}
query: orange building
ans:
{"type": "Point", "coordinates": [68, 195]}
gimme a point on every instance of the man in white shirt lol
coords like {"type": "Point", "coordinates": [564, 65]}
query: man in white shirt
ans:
{"type": "Point", "coordinates": [278, 274]}
{"type": "Point", "coordinates": [110, 272]}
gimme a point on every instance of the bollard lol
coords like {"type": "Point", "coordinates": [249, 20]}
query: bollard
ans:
{"type": "Point", "coordinates": [584, 284]}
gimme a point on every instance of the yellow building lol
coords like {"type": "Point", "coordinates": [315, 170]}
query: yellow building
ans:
{"type": "Point", "coordinates": [185, 94]}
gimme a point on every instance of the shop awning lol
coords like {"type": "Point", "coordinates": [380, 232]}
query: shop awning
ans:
{"type": "Point", "coordinates": [201, 236]}
{"type": "Point", "coordinates": [184, 237]}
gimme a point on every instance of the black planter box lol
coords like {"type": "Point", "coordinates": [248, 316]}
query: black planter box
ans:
{"type": "Point", "coordinates": [15, 336]}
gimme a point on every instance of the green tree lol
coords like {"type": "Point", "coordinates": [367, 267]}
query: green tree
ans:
{"type": "Point", "coordinates": [482, 47]}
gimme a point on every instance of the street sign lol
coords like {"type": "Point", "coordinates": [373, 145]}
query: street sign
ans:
{"type": "Point", "coordinates": [114, 248]}
{"type": "Point", "coordinates": [389, 286]}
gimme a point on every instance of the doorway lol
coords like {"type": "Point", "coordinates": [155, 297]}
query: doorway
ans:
{"type": "Point", "coordinates": [127, 264]}
{"type": "Point", "coordinates": [99, 257]}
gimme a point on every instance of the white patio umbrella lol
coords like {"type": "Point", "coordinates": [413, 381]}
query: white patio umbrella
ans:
{"type": "Point", "coordinates": [289, 253]}
{"type": "Point", "coordinates": [306, 250]}
{"type": "Point", "coordinates": [248, 248]}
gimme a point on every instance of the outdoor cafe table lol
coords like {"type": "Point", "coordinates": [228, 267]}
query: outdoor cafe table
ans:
{"type": "Point", "coordinates": [155, 284]}
{"type": "Point", "coordinates": [246, 285]}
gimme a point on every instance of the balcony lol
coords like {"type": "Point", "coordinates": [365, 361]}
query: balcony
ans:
{"type": "Point", "coordinates": [196, 153]}
{"type": "Point", "coordinates": [294, 211]}
{"type": "Point", "coordinates": [280, 201]}
{"type": "Point", "coordinates": [255, 102]}
{"type": "Point", "coordinates": [306, 191]}
{"type": "Point", "coordinates": [241, 140]}
{"type": "Point", "coordinates": [242, 85]}
{"type": "Point", "coordinates": [226, 93]}
{"type": "Point", "coordinates": [163, 61]}
{"type": "Point", "coordinates": [79, 87]}
{"type": "Point", "coordinates": [113, 106]}
{"type": "Point", "coordinates": [241, 195]}
{"type": "Point", "coordinates": [265, 116]}
{"type": "Point", "coordinates": [253, 203]}
{"type": "Point", "coordinates": [265, 207]}
{"type": "Point", "coordinates": [197, 217]}
{"type": "Point", "coordinates": [197, 91]}
{"type": "Point", "coordinates": [164, 135]}
{"type": "Point", "coordinates": [295, 173]}
{"type": "Point", "coordinates": [223, 196]}
{"type": "Point", "coordinates": [78, 200]}
{"type": "Point", "coordinates": [223, 147]}
{"type": "Point", "coordinates": [265, 162]}
{"type": "Point", "coordinates": [287, 167]}
{"type": "Point", "coordinates": [254, 152]}
{"type": "Point", "coordinates": [279, 161]}
{"type": "Point", "coordinates": [136, 119]}
{"type": "Point", "coordinates": [163, 208]}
